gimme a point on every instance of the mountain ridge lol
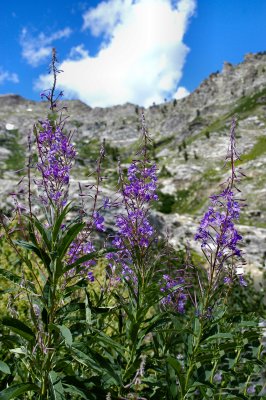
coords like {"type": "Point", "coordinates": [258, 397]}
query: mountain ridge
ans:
{"type": "Point", "coordinates": [190, 139]}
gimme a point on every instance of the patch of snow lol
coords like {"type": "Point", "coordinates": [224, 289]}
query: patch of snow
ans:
{"type": "Point", "coordinates": [10, 127]}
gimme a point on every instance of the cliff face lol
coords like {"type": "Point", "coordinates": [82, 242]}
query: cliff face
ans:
{"type": "Point", "coordinates": [190, 139]}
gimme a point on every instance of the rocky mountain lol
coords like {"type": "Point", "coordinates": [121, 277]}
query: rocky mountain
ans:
{"type": "Point", "coordinates": [190, 140]}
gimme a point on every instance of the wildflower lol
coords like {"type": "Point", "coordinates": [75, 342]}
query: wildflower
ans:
{"type": "Point", "coordinates": [134, 231]}
{"type": "Point", "coordinates": [218, 377]}
{"type": "Point", "coordinates": [242, 281]}
{"type": "Point", "coordinates": [175, 295]}
{"type": "Point", "coordinates": [142, 182]}
{"type": "Point", "coordinates": [217, 229]}
{"type": "Point", "coordinates": [55, 159]}
{"type": "Point", "coordinates": [107, 203]}
{"type": "Point", "coordinates": [99, 221]}
{"type": "Point", "coordinates": [251, 389]}
{"type": "Point", "coordinates": [78, 249]}
{"type": "Point", "coordinates": [217, 232]}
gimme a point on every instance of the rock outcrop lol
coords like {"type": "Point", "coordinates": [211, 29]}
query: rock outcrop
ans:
{"type": "Point", "coordinates": [190, 140]}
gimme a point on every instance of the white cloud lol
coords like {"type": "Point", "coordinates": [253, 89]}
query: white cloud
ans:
{"type": "Point", "coordinates": [180, 93]}
{"type": "Point", "coordinates": [36, 50]}
{"type": "Point", "coordinates": [106, 16]}
{"type": "Point", "coordinates": [141, 57]}
{"type": "Point", "coordinates": [6, 76]}
{"type": "Point", "coordinates": [78, 52]}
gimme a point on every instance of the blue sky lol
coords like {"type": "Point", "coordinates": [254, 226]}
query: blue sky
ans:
{"type": "Point", "coordinates": [114, 51]}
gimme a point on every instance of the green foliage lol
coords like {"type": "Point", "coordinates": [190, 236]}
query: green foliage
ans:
{"type": "Point", "coordinates": [16, 159]}
{"type": "Point", "coordinates": [165, 202]}
{"type": "Point", "coordinates": [188, 200]}
{"type": "Point", "coordinates": [249, 103]}
{"type": "Point", "coordinates": [112, 339]}
{"type": "Point", "coordinates": [112, 152]}
{"type": "Point", "coordinates": [164, 173]}
{"type": "Point", "coordinates": [76, 123]}
{"type": "Point", "coordinates": [88, 152]}
{"type": "Point", "coordinates": [257, 150]}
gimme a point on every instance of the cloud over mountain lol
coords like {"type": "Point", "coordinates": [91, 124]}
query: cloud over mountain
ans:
{"type": "Point", "coordinates": [141, 56]}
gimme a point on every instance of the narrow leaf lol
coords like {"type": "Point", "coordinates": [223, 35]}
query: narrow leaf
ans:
{"type": "Point", "coordinates": [57, 389]}
{"type": "Point", "coordinates": [4, 368]}
{"type": "Point", "coordinates": [38, 251]}
{"type": "Point", "coordinates": [175, 364]}
{"type": "Point", "coordinates": [69, 237]}
{"type": "Point", "coordinates": [96, 362]}
{"type": "Point", "coordinates": [65, 332]}
{"type": "Point", "coordinates": [58, 222]}
{"type": "Point", "coordinates": [45, 234]}
{"type": "Point", "coordinates": [75, 391]}
{"type": "Point", "coordinates": [18, 389]}
{"type": "Point", "coordinates": [87, 257]}
{"type": "Point", "coordinates": [19, 327]}
{"type": "Point", "coordinates": [219, 336]}
{"type": "Point", "coordinates": [17, 280]}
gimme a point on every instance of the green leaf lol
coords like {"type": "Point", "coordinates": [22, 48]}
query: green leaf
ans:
{"type": "Point", "coordinates": [197, 384]}
{"type": "Point", "coordinates": [219, 336]}
{"type": "Point", "coordinates": [75, 391]}
{"type": "Point", "coordinates": [10, 276]}
{"type": "Point", "coordinates": [69, 237]}
{"type": "Point", "coordinates": [4, 368]}
{"type": "Point", "coordinates": [19, 350]}
{"type": "Point", "coordinates": [77, 286]}
{"type": "Point", "coordinates": [112, 343]}
{"type": "Point", "coordinates": [96, 362]}
{"type": "Point", "coordinates": [16, 279]}
{"type": "Point", "coordinates": [57, 267]}
{"type": "Point", "coordinates": [58, 222]}
{"type": "Point", "coordinates": [84, 359]}
{"type": "Point", "coordinates": [70, 308]}
{"type": "Point", "coordinates": [175, 364]}
{"type": "Point", "coordinates": [81, 260]}
{"type": "Point", "coordinates": [248, 324]}
{"type": "Point", "coordinates": [87, 257]}
{"type": "Point", "coordinates": [18, 389]}
{"type": "Point", "coordinates": [65, 332]}
{"type": "Point", "coordinates": [57, 389]}
{"type": "Point", "coordinates": [45, 234]}
{"type": "Point", "coordinates": [106, 366]}
{"type": "Point", "coordinates": [38, 251]}
{"type": "Point", "coordinates": [88, 309]}
{"type": "Point", "coordinates": [19, 327]}
{"type": "Point", "coordinates": [155, 321]}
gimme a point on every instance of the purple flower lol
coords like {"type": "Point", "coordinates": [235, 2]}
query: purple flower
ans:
{"type": "Point", "coordinates": [218, 377]}
{"type": "Point", "coordinates": [107, 203]}
{"type": "Point", "coordinates": [56, 156]}
{"type": "Point", "coordinates": [78, 249]}
{"type": "Point", "coordinates": [134, 232]}
{"type": "Point", "coordinates": [242, 281]}
{"type": "Point", "coordinates": [251, 389]}
{"type": "Point", "coordinates": [217, 231]}
{"type": "Point", "coordinates": [228, 280]}
{"type": "Point", "coordinates": [142, 182]}
{"type": "Point", "coordinates": [174, 293]}
{"type": "Point", "coordinates": [99, 222]}
{"type": "Point", "coordinates": [133, 228]}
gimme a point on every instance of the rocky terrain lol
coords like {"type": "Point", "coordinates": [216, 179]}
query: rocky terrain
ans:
{"type": "Point", "coordinates": [190, 140]}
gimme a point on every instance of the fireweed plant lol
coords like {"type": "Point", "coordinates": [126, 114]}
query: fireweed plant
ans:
{"type": "Point", "coordinates": [126, 317]}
